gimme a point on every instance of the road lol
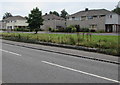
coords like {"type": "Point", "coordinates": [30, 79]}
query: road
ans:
{"type": "Point", "coordinates": [25, 65]}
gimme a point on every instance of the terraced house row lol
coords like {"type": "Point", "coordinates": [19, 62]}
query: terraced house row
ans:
{"type": "Point", "coordinates": [99, 19]}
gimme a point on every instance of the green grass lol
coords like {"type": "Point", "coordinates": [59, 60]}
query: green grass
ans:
{"type": "Point", "coordinates": [107, 43]}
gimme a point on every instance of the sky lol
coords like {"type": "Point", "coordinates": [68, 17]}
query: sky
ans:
{"type": "Point", "coordinates": [23, 7]}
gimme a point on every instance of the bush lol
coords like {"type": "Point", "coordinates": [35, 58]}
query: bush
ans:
{"type": "Point", "coordinates": [4, 29]}
{"type": "Point", "coordinates": [70, 29]}
{"type": "Point", "coordinates": [92, 30]}
{"type": "Point", "coordinates": [73, 29]}
{"type": "Point", "coordinates": [22, 29]}
{"type": "Point", "coordinates": [84, 30]}
{"type": "Point", "coordinates": [54, 30]}
{"type": "Point", "coordinates": [61, 29]}
{"type": "Point", "coordinates": [101, 31]}
{"type": "Point", "coordinates": [50, 29]}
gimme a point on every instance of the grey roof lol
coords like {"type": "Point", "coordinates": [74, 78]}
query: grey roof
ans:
{"type": "Point", "coordinates": [91, 13]}
{"type": "Point", "coordinates": [14, 18]}
{"type": "Point", "coordinates": [52, 16]}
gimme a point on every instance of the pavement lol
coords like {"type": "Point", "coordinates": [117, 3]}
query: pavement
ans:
{"type": "Point", "coordinates": [26, 65]}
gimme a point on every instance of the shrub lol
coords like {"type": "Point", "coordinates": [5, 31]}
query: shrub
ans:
{"type": "Point", "coordinates": [84, 30]}
{"type": "Point", "coordinates": [50, 29]}
{"type": "Point", "coordinates": [67, 29]}
{"type": "Point", "coordinates": [4, 29]}
{"type": "Point", "coordinates": [70, 28]}
{"type": "Point", "coordinates": [92, 30]}
{"type": "Point", "coordinates": [55, 30]}
{"type": "Point", "coordinates": [73, 29]}
{"type": "Point", "coordinates": [101, 31]}
{"type": "Point", "coordinates": [22, 29]}
{"type": "Point", "coordinates": [61, 29]}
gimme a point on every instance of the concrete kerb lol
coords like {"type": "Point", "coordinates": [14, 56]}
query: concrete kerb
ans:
{"type": "Point", "coordinates": [67, 46]}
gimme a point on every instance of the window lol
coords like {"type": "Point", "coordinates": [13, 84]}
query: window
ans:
{"type": "Point", "coordinates": [73, 18]}
{"type": "Point", "coordinates": [10, 27]}
{"type": "Point", "coordinates": [83, 18]}
{"type": "Point", "coordinates": [93, 26]}
{"type": "Point", "coordinates": [77, 18]}
{"type": "Point", "coordinates": [90, 17]}
{"type": "Point", "coordinates": [94, 16]}
{"type": "Point", "coordinates": [70, 18]}
{"type": "Point", "coordinates": [110, 16]}
{"type": "Point", "coordinates": [102, 15]}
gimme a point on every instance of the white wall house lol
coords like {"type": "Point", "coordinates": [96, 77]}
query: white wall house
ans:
{"type": "Point", "coordinates": [95, 19]}
{"type": "Point", "coordinates": [119, 4]}
{"type": "Point", "coordinates": [112, 22]}
{"type": "Point", "coordinates": [2, 25]}
{"type": "Point", "coordinates": [15, 22]}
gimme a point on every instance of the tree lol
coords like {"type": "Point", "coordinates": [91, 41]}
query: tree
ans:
{"type": "Point", "coordinates": [46, 14]}
{"type": "Point", "coordinates": [35, 19]}
{"type": "Point", "coordinates": [54, 12]}
{"type": "Point", "coordinates": [50, 12]}
{"type": "Point", "coordinates": [26, 17]}
{"type": "Point", "coordinates": [6, 15]}
{"type": "Point", "coordinates": [64, 14]}
{"type": "Point", "coordinates": [117, 9]}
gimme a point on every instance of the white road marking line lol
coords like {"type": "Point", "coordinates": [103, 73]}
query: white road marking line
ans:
{"type": "Point", "coordinates": [1, 82]}
{"type": "Point", "coordinates": [10, 52]}
{"type": "Point", "coordinates": [53, 64]}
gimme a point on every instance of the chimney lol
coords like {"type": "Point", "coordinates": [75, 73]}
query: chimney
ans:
{"type": "Point", "coordinates": [86, 9]}
{"type": "Point", "coordinates": [46, 14]}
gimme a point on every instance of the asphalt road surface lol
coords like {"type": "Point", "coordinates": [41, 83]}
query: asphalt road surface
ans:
{"type": "Point", "coordinates": [25, 65]}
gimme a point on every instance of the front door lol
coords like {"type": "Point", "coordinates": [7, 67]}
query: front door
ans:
{"type": "Point", "coordinates": [108, 28]}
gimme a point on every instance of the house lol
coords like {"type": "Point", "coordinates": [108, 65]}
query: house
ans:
{"type": "Point", "coordinates": [2, 25]}
{"type": "Point", "coordinates": [53, 21]}
{"type": "Point", "coordinates": [112, 22]}
{"type": "Point", "coordinates": [118, 4]}
{"type": "Point", "coordinates": [100, 19]}
{"type": "Point", "coordinates": [14, 22]}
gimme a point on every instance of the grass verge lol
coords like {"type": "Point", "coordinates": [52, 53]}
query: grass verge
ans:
{"type": "Point", "coordinates": [107, 44]}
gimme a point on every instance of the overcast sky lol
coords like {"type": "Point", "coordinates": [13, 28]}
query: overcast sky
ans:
{"type": "Point", "coordinates": [23, 7]}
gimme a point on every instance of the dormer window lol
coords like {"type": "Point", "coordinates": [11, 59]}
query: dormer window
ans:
{"type": "Point", "coordinates": [110, 16]}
